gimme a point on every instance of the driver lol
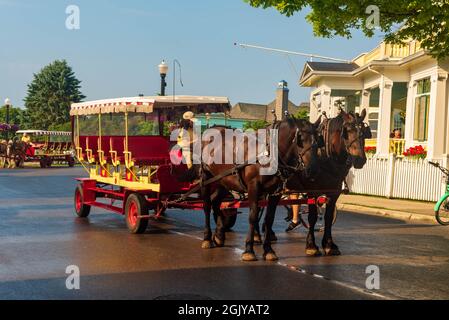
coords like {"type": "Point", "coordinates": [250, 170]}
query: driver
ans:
{"type": "Point", "coordinates": [185, 142]}
{"type": "Point", "coordinates": [30, 147]}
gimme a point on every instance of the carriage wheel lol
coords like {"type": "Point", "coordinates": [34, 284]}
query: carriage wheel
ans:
{"type": "Point", "coordinates": [82, 210]}
{"type": "Point", "coordinates": [229, 219]}
{"type": "Point", "coordinates": [19, 163]}
{"type": "Point", "coordinates": [71, 162]}
{"type": "Point", "coordinates": [136, 206]}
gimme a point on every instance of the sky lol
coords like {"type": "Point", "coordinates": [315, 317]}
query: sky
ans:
{"type": "Point", "coordinates": [119, 45]}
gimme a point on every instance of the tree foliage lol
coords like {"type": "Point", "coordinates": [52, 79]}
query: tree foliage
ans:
{"type": "Point", "coordinates": [15, 115]}
{"type": "Point", "coordinates": [422, 20]}
{"type": "Point", "coordinates": [302, 114]}
{"type": "Point", "coordinates": [50, 95]}
{"type": "Point", "coordinates": [255, 125]}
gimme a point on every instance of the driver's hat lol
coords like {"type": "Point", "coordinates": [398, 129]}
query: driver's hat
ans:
{"type": "Point", "coordinates": [189, 115]}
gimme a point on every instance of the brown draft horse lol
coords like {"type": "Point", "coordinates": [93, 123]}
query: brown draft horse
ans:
{"type": "Point", "coordinates": [4, 150]}
{"type": "Point", "coordinates": [344, 138]}
{"type": "Point", "coordinates": [13, 153]}
{"type": "Point", "coordinates": [297, 152]}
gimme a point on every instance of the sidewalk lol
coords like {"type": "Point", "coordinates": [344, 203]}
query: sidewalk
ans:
{"type": "Point", "coordinates": [391, 208]}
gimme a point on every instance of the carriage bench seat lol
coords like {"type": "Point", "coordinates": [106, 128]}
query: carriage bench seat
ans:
{"type": "Point", "coordinates": [149, 150]}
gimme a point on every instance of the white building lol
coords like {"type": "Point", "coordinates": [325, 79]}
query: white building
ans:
{"type": "Point", "coordinates": [402, 87]}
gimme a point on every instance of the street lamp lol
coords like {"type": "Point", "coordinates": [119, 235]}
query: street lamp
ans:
{"type": "Point", "coordinates": [163, 70]}
{"type": "Point", "coordinates": [7, 104]}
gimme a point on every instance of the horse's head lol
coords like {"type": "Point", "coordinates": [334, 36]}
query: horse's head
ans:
{"type": "Point", "coordinates": [304, 143]}
{"type": "Point", "coordinates": [354, 131]}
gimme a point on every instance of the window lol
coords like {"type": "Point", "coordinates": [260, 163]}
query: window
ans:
{"type": "Point", "coordinates": [422, 102]}
{"type": "Point", "coordinates": [143, 124]}
{"type": "Point", "coordinates": [373, 117]}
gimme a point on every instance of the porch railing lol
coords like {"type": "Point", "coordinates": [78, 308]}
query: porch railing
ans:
{"type": "Point", "coordinates": [397, 146]}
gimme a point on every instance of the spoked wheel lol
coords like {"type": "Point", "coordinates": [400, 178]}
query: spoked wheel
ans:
{"type": "Point", "coordinates": [136, 206]}
{"type": "Point", "coordinates": [82, 210]}
{"type": "Point", "coordinates": [319, 227]}
{"type": "Point", "coordinates": [71, 162]}
{"type": "Point", "coordinates": [442, 215]}
{"type": "Point", "coordinates": [229, 219]}
{"type": "Point", "coordinates": [43, 163]}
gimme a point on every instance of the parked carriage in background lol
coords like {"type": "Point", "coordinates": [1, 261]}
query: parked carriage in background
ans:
{"type": "Point", "coordinates": [48, 148]}
{"type": "Point", "coordinates": [124, 146]}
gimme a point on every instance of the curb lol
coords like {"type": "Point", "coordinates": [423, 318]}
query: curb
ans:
{"type": "Point", "coordinates": [392, 214]}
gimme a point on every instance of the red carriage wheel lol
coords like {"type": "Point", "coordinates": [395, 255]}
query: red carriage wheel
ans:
{"type": "Point", "coordinates": [82, 210]}
{"type": "Point", "coordinates": [43, 163]}
{"type": "Point", "coordinates": [136, 206]}
{"type": "Point", "coordinates": [71, 162]}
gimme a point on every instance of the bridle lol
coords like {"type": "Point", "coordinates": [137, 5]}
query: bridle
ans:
{"type": "Point", "coordinates": [363, 131]}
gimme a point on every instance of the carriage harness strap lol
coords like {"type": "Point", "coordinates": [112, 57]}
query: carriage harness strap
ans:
{"type": "Point", "coordinates": [284, 170]}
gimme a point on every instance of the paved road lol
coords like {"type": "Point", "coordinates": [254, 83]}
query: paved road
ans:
{"type": "Point", "coordinates": [40, 237]}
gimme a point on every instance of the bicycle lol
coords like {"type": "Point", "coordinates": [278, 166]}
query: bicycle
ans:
{"type": "Point", "coordinates": [442, 206]}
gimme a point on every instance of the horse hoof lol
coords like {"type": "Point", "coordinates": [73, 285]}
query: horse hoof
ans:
{"type": "Point", "coordinates": [218, 242]}
{"type": "Point", "coordinates": [257, 239]}
{"type": "Point", "coordinates": [332, 252]}
{"type": "Point", "coordinates": [249, 257]}
{"type": "Point", "coordinates": [207, 244]}
{"type": "Point", "coordinates": [313, 252]}
{"type": "Point", "coordinates": [270, 256]}
{"type": "Point", "coordinates": [273, 237]}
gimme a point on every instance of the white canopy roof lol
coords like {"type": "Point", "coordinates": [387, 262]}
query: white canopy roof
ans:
{"type": "Point", "coordinates": [146, 104]}
{"type": "Point", "coordinates": [44, 133]}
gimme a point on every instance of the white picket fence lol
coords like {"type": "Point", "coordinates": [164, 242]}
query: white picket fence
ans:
{"type": "Point", "coordinates": [398, 178]}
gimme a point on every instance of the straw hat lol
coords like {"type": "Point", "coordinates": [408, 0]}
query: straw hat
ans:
{"type": "Point", "coordinates": [189, 115]}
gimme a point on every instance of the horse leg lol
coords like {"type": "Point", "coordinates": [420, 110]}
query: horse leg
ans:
{"type": "Point", "coordinates": [312, 249]}
{"type": "Point", "coordinates": [253, 198]}
{"type": "Point", "coordinates": [330, 248]}
{"type": "Point", "coordinates": [257, 234]}
{"type": "Point", "coordinates": [220, 232]}
{"type": "Point", "coordinates": [269, 254]}
{"type": "Point", "coordinates": [207, 242]}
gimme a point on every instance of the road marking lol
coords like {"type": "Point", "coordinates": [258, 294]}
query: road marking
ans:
{"type": "Point", "coordinates": [239, 251]}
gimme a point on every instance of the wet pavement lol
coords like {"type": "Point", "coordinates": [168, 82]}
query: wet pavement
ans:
{"type": "Point", "coordinates": [40, 237]}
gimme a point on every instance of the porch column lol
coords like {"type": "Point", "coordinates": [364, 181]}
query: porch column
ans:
{"type": "Point", "coordinates": [383, 138]}
{"type": "Point", "coordinates": [364, 103]}
{"type": "Point", "coordinates": [437, 116]}
{"type": "Point", "coordinates": [326, 102]}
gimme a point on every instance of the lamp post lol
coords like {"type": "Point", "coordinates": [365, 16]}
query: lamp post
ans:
{"type": "Point", "coordinates": [163, 70]}
{"type": "Point", "coordinates": [7, 104]}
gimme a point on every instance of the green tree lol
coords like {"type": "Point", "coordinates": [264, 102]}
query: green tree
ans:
{"type": "Point", "coordinates": [255, 125]}
{"type": "Point", "coordinates": [15, 115]}
{"type": "Point", "coordinates": [302, 114]}
{"type": "Point", "coordinates": [66, 127]}
{"type": "Point", "coordinates": [422, 20]}
{"type": "Point", "coordinates": [50, 95]}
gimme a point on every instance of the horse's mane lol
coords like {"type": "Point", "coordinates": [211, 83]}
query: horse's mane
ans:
{"type": "Point", "coordinates": [336, 124]}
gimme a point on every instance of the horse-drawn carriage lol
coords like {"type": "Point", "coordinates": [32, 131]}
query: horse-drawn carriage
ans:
{"type": "Point", "coordinates": [124, 146]}
{"type": "Point", "coordinates": [46, 148]}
